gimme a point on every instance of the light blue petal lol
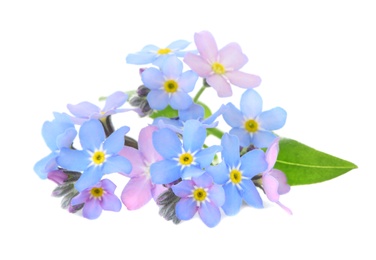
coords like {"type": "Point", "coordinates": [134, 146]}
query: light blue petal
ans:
{"type": "Point", "coordinates": [115, 142]}
{"type": "Point", "coordinates": [195, 111]}
{"type": "Point", "coordinates": [140, 58]}
{"type": "Point", "coordinates": [91, 134]}
{"type": "Point", "coordinates": [40, 167]}
{"type": "Point", "coordinates": [187, 81]}
{"type": "Point", "coordinates": [217, 195]}
{"type": "Point", "coordinates": [209, 214]}
{"type": "Point", "coordinates": [263, 139]}
{"type": "Point", "coordinates": [243, 135]}
{"type": "Point", "coordinates": [110, 202]}
{"type": "Point", "coordinates": [233, 200]}
{"type": "Point", "coordinates": [108, 185]}
{"type": "Point", "coordinates": [250, 194]}
{"type": "Point", "coordinates": [165, 172]}
{"type": "Point", "coordinates": [273, 119]}
{"type": "Point", "coordinates": [152, 78]}
{"type": "Point", "coordinates": [178, 45]}
{"type": "Point", "coordinates": [215, 115]}
{"type": "Point", "coordinates": [251, 103]}
{"type": "Point", "coordinates": [92, 209]}
{"type": "Point", "coordinates": [203, 181]}
{"type": "Point", "coordinates": [253, 163]}
{"type": "Point", "coordinates": [115, 100]}
{"type": "Point", "coordinates": [83, 109]}
{"type": "Point", "coordinates": [90, 177]}
{"type": "Point", "coordinates": [172, 67]}
{"type": "Point", "coordinates": [180, 100]}
{"type": "Point", "coordinates": [66, 138]}
{"type": "Point", "coordinates": [205, 156]}
{"type": "Point", "coordinates": [167, 143]}
{"type": "Point", "coordinates": [73, 160]}
{"type": "Point", "coordinates": [158, 99]}
{"type": "Point", "coordinates": [219, 173]}
{"type": "Point", "coordinates": [185, 209]}
{"type": "Point", "coordinates": [194, 135]}
{"type": "Point", "coordinates": [160, 60]}
{"type": "Point", "coordinates": [183, 189]}
{"type": "Point", "coordinates": [191, 171]}
{"type": "Point", "coordinates": [231, 149]}
{"type": "Point", "coordinates": [57, 128]}
{"type": "Point", "coordinates": [233, 116]}
{"type": "Point", "coordinates": [117, 164]}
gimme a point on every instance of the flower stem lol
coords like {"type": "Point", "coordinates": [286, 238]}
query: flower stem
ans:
{"type": "Point", "coordinates": [195, 99]}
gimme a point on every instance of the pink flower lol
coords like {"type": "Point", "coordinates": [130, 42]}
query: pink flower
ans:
{"type": "Point", "coordinates": [140, 189]}
{"type": "Point", "coordinates": [274, 181]}
{"type": "Point", "coordinates": [220, 68]}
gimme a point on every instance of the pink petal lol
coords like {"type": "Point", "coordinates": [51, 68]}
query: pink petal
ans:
{"type": "Point", "coordinates": [157, 190]}
{"type": "Point", "coordinates": [197, 64]}
{"type": "Point", "coordinates": [136, 193]}
{"type": "Point", "coordinates": [270, 185]}
{"type": "Point", "coordinates": [243, 80]}
{"type": "Point", "coordinates": [145, 144]}
{"type": "Point", "coordinates": [135, 158]}
{"type": "Point", "coordinates": [206, 46]}
{"type": "Point", "coordinates": [272, 154]}
{"type": "Point", "coordinates": [232, 57]}
{"type": "Point", "coordinates": [284, 207]}
{"type": "Point", "coordinates": [220, 84]}
{"type": "Point", "coordinates": [282, 180]}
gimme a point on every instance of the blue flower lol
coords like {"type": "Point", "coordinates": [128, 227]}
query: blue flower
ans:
{"type": "Point", "coordinates": [98, 156]}
{"type": "Point", "coordinates": [181, 159]}
{"type": "Point", "coordinates": [157, 56]}
{"type": "Point", "coordinates": [57, 134]}
{"type": "Point", "coordinates": [250, 124]}
{"type": "Point", "coordinates": [235, 173]}
{"type": "Point", "coordinates": [199, 195]}
{"type": "Point", "coordinates": [169, 85]}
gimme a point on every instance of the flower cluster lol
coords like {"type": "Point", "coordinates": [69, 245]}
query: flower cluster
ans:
{"type": "Point", "coordinates": [170, 162]}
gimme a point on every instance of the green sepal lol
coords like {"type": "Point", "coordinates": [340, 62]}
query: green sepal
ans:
{"type": "Point", "coordinates": [305, 165]}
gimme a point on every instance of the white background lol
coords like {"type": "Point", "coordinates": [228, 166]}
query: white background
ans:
{"type": "Point", "coordinates": [316, 60]}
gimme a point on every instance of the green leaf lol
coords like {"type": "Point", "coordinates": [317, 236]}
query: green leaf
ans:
{"type": "Point", "coordinates": [305, 165]}
{"type": "Point", "coordinates": [207, 111]}
{"type": "Point", "coordinates": [167, 112]}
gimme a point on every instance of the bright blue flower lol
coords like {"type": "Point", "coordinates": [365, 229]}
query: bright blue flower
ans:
{"type": "Point", "coordinates": [250, 124]}
{"type": "Point", "coordinates": [235, 173]}
{"type": "Point", "coordinates": [98, 156]}
{"type": "Point", "coordinates": [57, 134]}
{"type": "Point", "coordinates": [199, 195]}
{"type": "Point", "coordinates": [181, 159]}
{"type": "Point", "coordinates": [157, 56]}
{"type": "Point", "coordinates": [169, 85]}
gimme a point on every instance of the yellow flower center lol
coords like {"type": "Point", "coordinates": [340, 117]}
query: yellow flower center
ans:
{"type": "Point", "coordinates": [199, 194]}
{"type": "Point", "coordinates": [235, 176]}
{"type": "Point", "coordinates": [186, 159]}
{"type": "Point", "coordinates": [218, 68]}
{"type": "Point", "coordinates": [164, 51]}
{"type": "Point", "coordinates": [98, 157]}
{"type": "Point", "coordinates": [171, 86]}
{"type": "Point", "coordinates": [251, 125]}
{"type": "Point", "coordinates": [96, 192]}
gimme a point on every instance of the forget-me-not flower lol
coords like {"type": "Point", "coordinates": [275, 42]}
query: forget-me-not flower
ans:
{"type": "Point", "coordinates": [155, 55]}
{"type": "Point", "coordinates": [98, 156]}
{"type": "Point", "coordinates": [220, 67]}
{"type": "Point", "coordinates": [235, 173]}
{"type": "Point", "coordinates": [97, 198]}
{"type": "Point", "coordinates": [200, 195]}
{"type": "Point", "coordinates": [252, 125]}
{"type": "Point", "coordinates": [181, 159]}
{"type": "Point", "coordinates": [169, 85]}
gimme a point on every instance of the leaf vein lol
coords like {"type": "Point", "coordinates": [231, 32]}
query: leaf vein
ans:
{"type": "Point", "coordinates": [315, 166]}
